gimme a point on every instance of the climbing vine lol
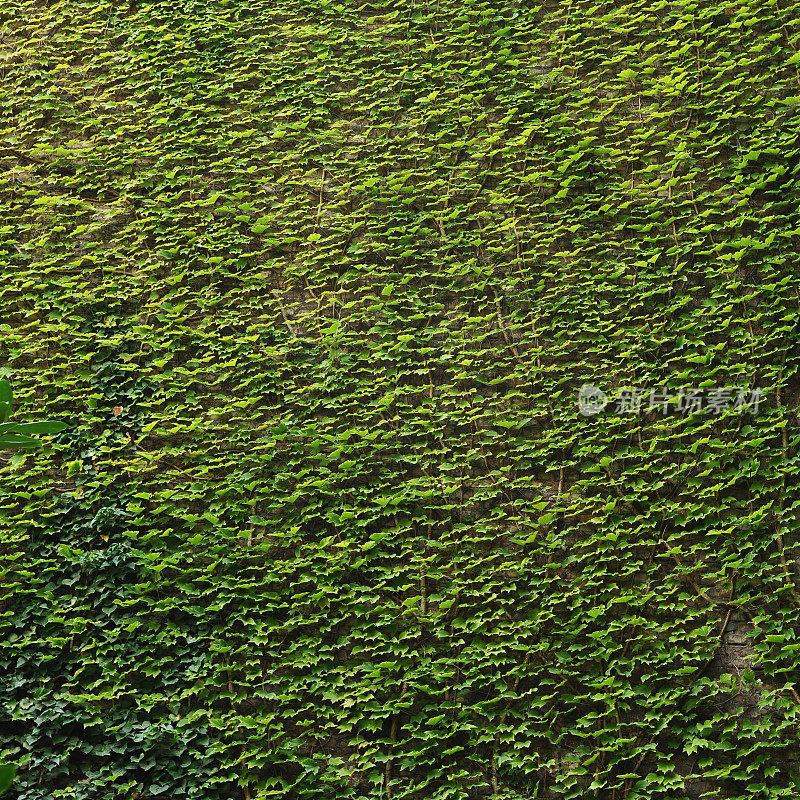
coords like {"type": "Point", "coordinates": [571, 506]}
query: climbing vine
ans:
{"type": "Point", "coordinates": [316, 285]}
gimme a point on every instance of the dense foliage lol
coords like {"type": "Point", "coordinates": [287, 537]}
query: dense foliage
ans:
{"type": "Point", "coordinates": [315, 284]}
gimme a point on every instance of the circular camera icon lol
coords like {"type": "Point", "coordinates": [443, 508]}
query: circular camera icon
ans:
{"type": "Point", "coordinates": [591, 400]}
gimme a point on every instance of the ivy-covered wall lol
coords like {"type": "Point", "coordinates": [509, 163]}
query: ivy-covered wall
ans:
{"type": "Point", "coordinates": [315, 284]}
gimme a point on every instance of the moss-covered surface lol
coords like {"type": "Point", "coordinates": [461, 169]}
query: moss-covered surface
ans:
{"type": "Point", "coordinates": [316, 284]}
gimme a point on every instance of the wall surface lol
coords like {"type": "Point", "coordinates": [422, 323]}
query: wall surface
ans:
{"type": "Point", "coordinates": [316, 285]}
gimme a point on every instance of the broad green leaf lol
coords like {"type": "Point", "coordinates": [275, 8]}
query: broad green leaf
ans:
{"type": "Point", "coordinates": [7, 772]}
{"type": "Point", "coordinates": [13, 441]}
{"type": "Point", "coordinates": [6, 398]}
{"type": "Point", "coordinates": [40, 427]}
